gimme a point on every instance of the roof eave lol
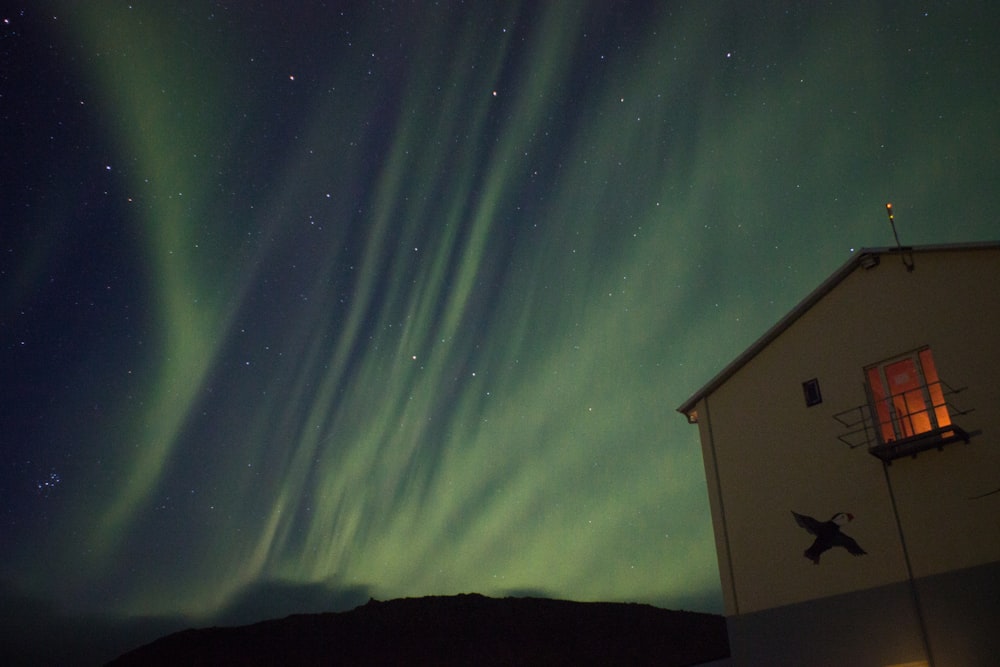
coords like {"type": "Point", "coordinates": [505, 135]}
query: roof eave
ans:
{"type": "Point", "coordinates": [824, 288]}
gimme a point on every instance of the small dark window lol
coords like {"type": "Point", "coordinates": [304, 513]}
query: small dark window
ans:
{"type": "Point", "coordinates": [811, 390]}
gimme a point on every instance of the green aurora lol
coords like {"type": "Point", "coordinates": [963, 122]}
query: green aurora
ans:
{"type": "Point", "coordinates": [414, 292]}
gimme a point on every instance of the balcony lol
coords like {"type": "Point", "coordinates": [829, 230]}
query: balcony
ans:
{"type": "Point", "coordinates": [906, 423]}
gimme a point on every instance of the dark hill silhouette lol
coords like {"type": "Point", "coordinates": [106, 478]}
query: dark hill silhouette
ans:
{"type": "Point", "coordinates": [454, 630]}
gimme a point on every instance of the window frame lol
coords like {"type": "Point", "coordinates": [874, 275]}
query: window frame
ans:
{"type": "Point", "coordinates": [907, 405]}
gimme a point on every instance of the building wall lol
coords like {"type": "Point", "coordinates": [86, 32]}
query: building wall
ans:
{"type": "Point", "coordinates": [767, 454]}
{"type": "Point", "coordinates": [879, 627]}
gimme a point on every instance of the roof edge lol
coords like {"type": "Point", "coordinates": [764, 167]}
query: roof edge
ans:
{"type": "Point", "coordinates": [810, 300]}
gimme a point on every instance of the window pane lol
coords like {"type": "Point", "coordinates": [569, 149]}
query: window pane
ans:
{"type": "Point", "coordinates": [934, 388]}
{"type": "Point", "coordinates": [880, 399]}
{"type": "Point", "coordinates": [902, 376]}
{"type": "Point", "coordinates": [908, 397]}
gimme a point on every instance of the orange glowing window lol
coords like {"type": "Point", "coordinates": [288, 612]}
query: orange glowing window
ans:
{"type": "Point", "coordinates": [906, 396]}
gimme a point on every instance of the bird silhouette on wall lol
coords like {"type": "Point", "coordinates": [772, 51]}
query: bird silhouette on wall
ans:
{"type": "Point", "coordinates": [828, 535]}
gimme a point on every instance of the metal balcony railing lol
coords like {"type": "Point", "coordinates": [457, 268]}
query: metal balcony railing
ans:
{"type": "Point", "coordinates": [904, 424]}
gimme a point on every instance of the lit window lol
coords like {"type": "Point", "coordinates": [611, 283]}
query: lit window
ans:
{"type": "Point", "coordinates": [906, 397]}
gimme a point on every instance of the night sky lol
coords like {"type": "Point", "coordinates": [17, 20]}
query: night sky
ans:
{"type": "Point", "coordinates": [308, 302]}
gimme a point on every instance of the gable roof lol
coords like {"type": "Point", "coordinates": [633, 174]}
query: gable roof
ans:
{"type": "Point", "coordinates": [861, 258]}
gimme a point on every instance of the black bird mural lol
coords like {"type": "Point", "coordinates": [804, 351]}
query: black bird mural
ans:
{"type": "Point", "coordinates": [828, 535]}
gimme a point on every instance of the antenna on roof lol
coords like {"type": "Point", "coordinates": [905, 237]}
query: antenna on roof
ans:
{"type": "Point", "coordinates": [905, 254]}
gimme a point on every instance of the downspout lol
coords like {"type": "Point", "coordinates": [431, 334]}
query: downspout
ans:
{"type": "Point", "coordinates": [722, 509]}
{"type": "Point", "coordinates": [917, 607]}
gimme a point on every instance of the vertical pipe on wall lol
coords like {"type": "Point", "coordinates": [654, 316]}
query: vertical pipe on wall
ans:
{"type": "Point", "coordinates": [722, 510]}
{"type": "Point", "coordinates": [917, 607]}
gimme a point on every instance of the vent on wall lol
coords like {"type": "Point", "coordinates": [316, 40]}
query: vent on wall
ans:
{"type": "Point", "coordinates": [810, 388]}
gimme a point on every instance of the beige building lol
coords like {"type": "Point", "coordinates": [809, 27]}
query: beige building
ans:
{"type": "Point", "coordinates": [876, 397]}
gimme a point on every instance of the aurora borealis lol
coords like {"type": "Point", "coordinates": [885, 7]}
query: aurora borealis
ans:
{"type": "Point", "coordinates": [397, 299]}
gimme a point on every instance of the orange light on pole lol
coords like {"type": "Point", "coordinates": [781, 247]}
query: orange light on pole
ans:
{"type": "Point", "coordinates": [906, 254]}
